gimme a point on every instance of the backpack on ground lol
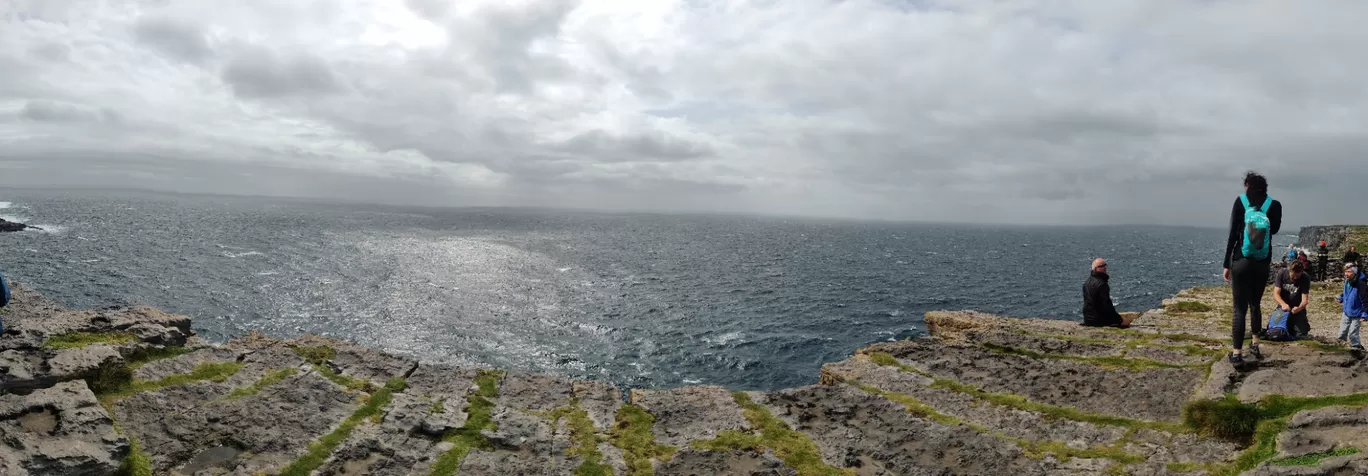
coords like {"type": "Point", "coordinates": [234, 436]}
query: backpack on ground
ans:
{"type": "Point", "coordinates": [1256, 235]}
{"type": "Point", "coordinates": [1277, 326]}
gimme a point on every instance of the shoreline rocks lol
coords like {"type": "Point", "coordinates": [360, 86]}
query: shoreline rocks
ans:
{"type": "Point", "coordinates": [132, 390]}
{"type": "Point", "coordinates": [10, 227]}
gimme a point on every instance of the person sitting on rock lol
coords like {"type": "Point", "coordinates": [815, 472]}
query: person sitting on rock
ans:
{"type": "Point", "coordinates": [1291, 289]}
{"type": "Point", "coordinates": [1098, 310]}
{"type": "Point", "coordinates": [1352, 256]}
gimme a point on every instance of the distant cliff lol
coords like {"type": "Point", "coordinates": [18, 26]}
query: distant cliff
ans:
{"type": "Point", "coordinates": [1337, 237]}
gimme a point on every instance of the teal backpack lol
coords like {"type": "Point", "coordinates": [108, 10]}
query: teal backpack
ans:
{"type": "Point", "coordinates": [1256, 235]}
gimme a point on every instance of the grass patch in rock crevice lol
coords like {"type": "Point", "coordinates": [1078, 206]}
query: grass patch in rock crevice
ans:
{"type": "Point", "coordinates": [211, 371]}
{"type": "Point", "coordinates": [136, 463]}
{"type": "Point", "coordinates": [319, 451]}
{"type": "Point", "coordinates": [1314, 459]}
{"type": "Point", "coordinates": [1258, 424]}
{"type": "Point", "coordinates": [1032, 449]}
{"type": "Point", "coordinates": [1188, 307]}
{"type": "Point", "coordinates": [319, 355]}
{"type": "Point", "coordinates": [1022, 403]}
{"type": "Point", "coordinates": [634, 434]}
{"type": "Point", "coordinates": [76, 340]}
{"type": "Point", "coordinates": [584, 439]}
{"type": "Point", "coordinates": [1108, 362]}
{"type": "Point", "coordinates": [271, 378]}
{"type": "Point", "coordinates": [480, 416]}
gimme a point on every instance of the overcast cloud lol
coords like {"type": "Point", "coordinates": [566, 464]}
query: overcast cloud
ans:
{"type": "Point", "coordinates": [1054, 111]}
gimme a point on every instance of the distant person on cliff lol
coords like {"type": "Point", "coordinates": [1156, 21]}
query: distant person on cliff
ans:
{"type": "Point", "coordinates": [1254, 219]}
{"type": "Point", "coordinates": [1352, 256]}
{"type": "Point", "coordinates": [1355, 301]}
{"type": "Point", "coordinates": [1098, 310]}
{"type": "Point", "coordinates": [4, 299]}
{"type": "Point", "coordinates": [1292, 291]}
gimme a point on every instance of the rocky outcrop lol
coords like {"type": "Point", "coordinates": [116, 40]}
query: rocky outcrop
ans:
{"type": "Point", "coordinates": [1337, 237]}
{"type": "Point", "coordinates": [132, 390]}
{"type": "Point", "coordinates": [9, 226]}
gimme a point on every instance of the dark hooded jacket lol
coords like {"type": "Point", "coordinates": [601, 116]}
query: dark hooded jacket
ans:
{"type": "Point", "coordinates": [1097, 304]}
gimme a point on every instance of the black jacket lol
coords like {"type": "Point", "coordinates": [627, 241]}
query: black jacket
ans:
{"type": "Point", "coordinates": [1097, 304]}
{"type": "Point", "coordinates": [1237, 226]}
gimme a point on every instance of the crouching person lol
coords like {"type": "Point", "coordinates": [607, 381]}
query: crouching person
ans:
{"type": "Point", "coordinates": [1292, 291]}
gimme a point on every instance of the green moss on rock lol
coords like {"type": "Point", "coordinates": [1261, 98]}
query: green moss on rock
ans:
{"type": "Point", "coordinates": [271, 378]}
{"type": "Point", "coordinates": [1188, 307]}
{"type": "Point", "coordinates": [634, 434]}
{"type": "Point", "coordinates": [480, 417]}
{"type": "Point", "coordinates": [76, 340]}
{"type": "Point", "coordinates": [319, 451]}
{"type": "Point", "coordinates": [1314, 459]}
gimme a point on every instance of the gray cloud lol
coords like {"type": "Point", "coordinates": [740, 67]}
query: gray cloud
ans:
{"type": "Point", "coordinates": [650, 146]}
{"type": "Point", "coordinates": [177, 40]}
{"type": "Point", "coordinates": [257, 72]}
{"type": "Point", "coordinates": [42, 110]}
{"type": "Point", "coordinates": [1054, 111]}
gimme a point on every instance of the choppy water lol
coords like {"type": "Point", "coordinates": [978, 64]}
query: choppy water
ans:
{"type": "Point", "coordinates": [641, 300]}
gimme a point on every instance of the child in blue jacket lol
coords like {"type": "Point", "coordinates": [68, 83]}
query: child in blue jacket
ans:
{"type": "Point", "coordinates": [1355, 300]}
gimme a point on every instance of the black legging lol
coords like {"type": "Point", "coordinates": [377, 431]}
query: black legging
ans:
{"type": "Point", "coordinates": [1247, 281]}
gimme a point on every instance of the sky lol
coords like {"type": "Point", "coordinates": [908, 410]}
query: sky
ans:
{"type": "Point", "coordinates": [1024, 111]}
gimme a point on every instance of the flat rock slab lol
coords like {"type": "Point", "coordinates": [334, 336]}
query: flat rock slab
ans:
{"type": "Point", "coordinates": [1298, 370]}
{"type": "Point", "coordinates": [1352, 465]}
{"type": "Point", "coordinates": [1323, 430]}
{"type": "Point", "coordinates": [1045, 345]}
{"type": "Point", "coordinates": [503, 463]}
{"type": "Point", "coordinates": [876, 436]}
{"type": "Point", "coordinates": [1151, 394]}
{"type": "Point", "coordinates": [600, 400]}
{"type": "Point", "coordinates": [522, 432]}
{"type": "Point", "coordinates": [400, 445]}
{"type": "Point", "coordinates": [1010, 421]}
{"type": "Point", "coordinates": [362, 362]}
{"type": "Point", "coordinates": [275, 424]}
{"type": "Point", "coordinates": [688, 414]}
{"type": "Point", "coordinates": [445, 382]}
{"type": "Point", "coordinates": [709, 463]}
{"type": "Point", "coordinates": [32, 315]}
{"type": "Point", "coordinates": [159, 369]}
{"type": "Point", "coordinates": [58, 430]}
{"type": "Point", "coordinates": [533, 392]}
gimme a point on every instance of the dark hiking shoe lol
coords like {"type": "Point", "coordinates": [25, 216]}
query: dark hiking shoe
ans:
{"type": "Point", "coordinates": [1237, 361]}
{"type": "Point", "coordinates": [1254, 349]}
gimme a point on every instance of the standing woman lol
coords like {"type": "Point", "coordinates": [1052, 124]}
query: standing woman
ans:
{"type": "Point", "coordinates": [1253, 221]}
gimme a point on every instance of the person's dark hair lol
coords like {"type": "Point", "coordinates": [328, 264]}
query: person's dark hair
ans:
{"type": "Point", "coordinates": [1297, 266]}
{"type": "Point", "coordinates": [1256, 182]}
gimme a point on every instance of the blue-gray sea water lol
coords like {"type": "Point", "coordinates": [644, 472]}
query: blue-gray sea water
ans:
{"type": "Point", "coordinates": [641, 300]}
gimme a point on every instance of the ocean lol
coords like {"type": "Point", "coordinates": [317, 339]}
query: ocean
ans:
{"type": "Point", "coordinates": [640, 300]}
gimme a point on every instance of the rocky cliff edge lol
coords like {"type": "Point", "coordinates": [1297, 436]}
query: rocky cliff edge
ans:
{"type": "Point", "coordinates": [134, 391]}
